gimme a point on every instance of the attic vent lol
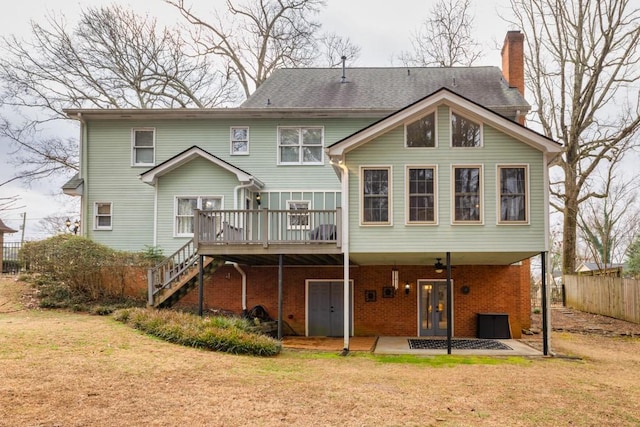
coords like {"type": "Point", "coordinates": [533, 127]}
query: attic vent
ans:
{"type": "Point", "coordinates": [344, 69]}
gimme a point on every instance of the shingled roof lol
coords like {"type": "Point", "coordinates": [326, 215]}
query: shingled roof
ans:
{"type": "Point", "coordinates": [383, 88]}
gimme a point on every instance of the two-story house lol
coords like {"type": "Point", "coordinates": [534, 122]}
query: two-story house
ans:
{"type": "Point", "coordinates": [353, 201]}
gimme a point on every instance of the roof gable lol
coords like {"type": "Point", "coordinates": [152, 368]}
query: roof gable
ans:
{"type": "Point", "coordinates": [6, 229]}
{"type": "Point", "coordinates": [443, 96]}
{"type": "Point", "coordinates": [151, 176]}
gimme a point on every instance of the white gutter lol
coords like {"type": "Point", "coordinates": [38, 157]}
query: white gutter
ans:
{"type": "Point", "coordinates": [244, 286]}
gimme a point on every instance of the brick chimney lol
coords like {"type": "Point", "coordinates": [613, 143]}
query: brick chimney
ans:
{"type": "Point", "coordinates": [513, 60]}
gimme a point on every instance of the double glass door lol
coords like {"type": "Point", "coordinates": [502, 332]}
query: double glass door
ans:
{"type": "Point", "coordinates": [433, 308]}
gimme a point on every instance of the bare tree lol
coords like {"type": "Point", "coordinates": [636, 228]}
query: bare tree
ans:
{"type": "Point", "coordinates": [582, 65]}
{"type": "Point", "coordinates": [335, 48]}
{"type": "Point", "coordinates": [257, 37]}
{"type": "Point", "coordinates": [113, 58]}
{"type": "Point", "coordinates": [608, 225]}
{"type": "Point", "coordinates": [445, 38]}
{"type": "Point", "coordinates": [9, 203]}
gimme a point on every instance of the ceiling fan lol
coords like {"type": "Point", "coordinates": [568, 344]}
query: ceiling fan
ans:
{"type": "Point", "coordinates": [439, 266]}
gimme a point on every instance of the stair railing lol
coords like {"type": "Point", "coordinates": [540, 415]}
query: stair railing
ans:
{"type": "Point", "coordinates": [171, 270]}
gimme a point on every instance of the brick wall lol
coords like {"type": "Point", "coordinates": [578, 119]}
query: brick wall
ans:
{"type": "Point", "coordinates": [502, 289]}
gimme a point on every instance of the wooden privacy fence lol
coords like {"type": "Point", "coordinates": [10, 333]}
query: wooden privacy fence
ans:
{"type": "Point", "coordinates": [609, 296]}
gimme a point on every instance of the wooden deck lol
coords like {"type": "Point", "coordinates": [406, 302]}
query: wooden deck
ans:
{"type": "Point", "coordinates": [260, 236]}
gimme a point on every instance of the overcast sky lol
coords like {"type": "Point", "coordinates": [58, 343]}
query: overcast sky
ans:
{"type": "Point", "coordinates": [382, 28]}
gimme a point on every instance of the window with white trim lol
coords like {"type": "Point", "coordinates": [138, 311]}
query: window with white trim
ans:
{"type": "Point", "coordinates": [298, 216]}
{"type": "Point", "coordinates": [239, 140]}
{"type": "Point", "coordinates": [375, 195]}
{"type": "Point", "coordinates": [185, 206]}
{"type": "Point", "coordinates": [465, 132]}
{"type": "Point", "coordinates": [300, 145]}
{"type": "Point", "coordinates": [143, 146]}
{"type": "Point", "coordinates": [467, 194]}
{"type": "Point", "coordinates": [420, 193]}
{"type": "Point", "coordinates": [513, 194]}
{"type": "Point", "coordinates": [421, 133]}
{"type": "Point", "coordinates": [102, 215]}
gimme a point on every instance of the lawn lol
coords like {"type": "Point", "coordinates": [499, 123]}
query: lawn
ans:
{"type": "Point", "coordinates": [67, 369]}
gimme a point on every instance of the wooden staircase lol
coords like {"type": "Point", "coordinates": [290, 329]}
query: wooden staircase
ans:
{"type": "Point", "coordinates": [176, 275]}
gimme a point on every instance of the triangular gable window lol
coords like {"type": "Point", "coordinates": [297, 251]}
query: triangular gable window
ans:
{"type": "Point", "coordinates": [422, 132]}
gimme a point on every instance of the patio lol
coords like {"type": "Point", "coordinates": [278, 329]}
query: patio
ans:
{"type": "Point", "coordinates": [400, 345]}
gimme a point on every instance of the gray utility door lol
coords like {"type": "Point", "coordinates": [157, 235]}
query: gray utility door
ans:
{"type": "Point", "coordinates": [326, 309]}
{"type": "Point", "coordinates": [433, 308]}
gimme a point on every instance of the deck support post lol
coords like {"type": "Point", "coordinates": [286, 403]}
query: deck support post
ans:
{"type": "Point", "coordinates": [200, 284]}
{"type": "Point", "coordinates": [449, 304]}
{"type": "Point", "coordinates": [280, 296]}
{"type": "Point", "coordinates": [545, 309]}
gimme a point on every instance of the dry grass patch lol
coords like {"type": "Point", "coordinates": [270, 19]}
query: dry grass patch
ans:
{"type": "Point", "coordinates": [71, 369]}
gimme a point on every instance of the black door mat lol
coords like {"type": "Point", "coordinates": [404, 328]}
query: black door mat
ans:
{"type": "Point", "coordinates": [457, 344]}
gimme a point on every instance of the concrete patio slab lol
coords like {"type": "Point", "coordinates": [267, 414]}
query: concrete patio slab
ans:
{"type": "Point", "coordinates": [400, 345]}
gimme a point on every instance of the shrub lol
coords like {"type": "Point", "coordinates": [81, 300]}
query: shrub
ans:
{"type": "Point", "coordinates": [230, 335]}
{"type": "Point", "coordinates": [73, 271]}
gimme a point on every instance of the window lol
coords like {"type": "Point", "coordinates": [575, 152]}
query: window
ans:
{"type": "Point", "coordinates": [375, 195]}
{"type": "Point", "coordinates": [239, 141]}
{"type": "Point", "coordinates": [102, 212]}
{"type": "Point", "coordinates": [464, 132]}
{"type": "Point", "coordinates": [513, 194]}
{"type": "Point", "coordinates": [467, 194]}
{"type": "Point", "coordinates": [421, 194]}
{"type": "Point", "coordinates": [298, 219]}
{"type": "Point", "coordinates": [143, 147]}
{"type": "Point", "coordinates": [300, 145]}
{"type": "Point", "coordinates": [422, 132]}
{"type": "Point", "coordinates": [184, 211]}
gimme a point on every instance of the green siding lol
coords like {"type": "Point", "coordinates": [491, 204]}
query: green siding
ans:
{"type": "Point", "coordinates": [110, 177]}
{"type": "Point", "coordinates": [197, 178]}
{"type": "Point", "coordinates": [388, 150]}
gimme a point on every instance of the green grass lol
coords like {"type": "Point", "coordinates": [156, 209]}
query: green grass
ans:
{"type": "Point", "coordinates": [432, 361]}
{"type": "Point", "coordinates": [450, 361]}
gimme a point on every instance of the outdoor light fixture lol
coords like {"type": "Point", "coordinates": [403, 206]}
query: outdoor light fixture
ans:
{"type": "Point", "coordinates": [407, 288]}
{"type": "Point", "coordinates": [439, 266]}
{"type": "Point", "coordinates": [76, 225]}
{"type": "Point", "coordinates": [258, 199]}
{"type": "Point", "coordinates": [394, 278]}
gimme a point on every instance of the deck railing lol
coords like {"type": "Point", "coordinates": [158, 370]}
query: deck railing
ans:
{"type": "Point", "coordinates": [267, 227]}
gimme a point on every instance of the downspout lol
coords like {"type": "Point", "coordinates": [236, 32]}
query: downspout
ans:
{"type": "Point", "coordinates": [235, 193]}
{"type": "Point", "coordinates": [235, 198]}
{"type": "Point", "coordinates": [244, 286]}
{"type": "Point", "coordinates": [81, 169]}
{"type": "Point", "coordinates": [345, 251]}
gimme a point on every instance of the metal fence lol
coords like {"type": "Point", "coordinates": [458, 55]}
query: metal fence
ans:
{"type": "Point", "coordinates": [10, 257]}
